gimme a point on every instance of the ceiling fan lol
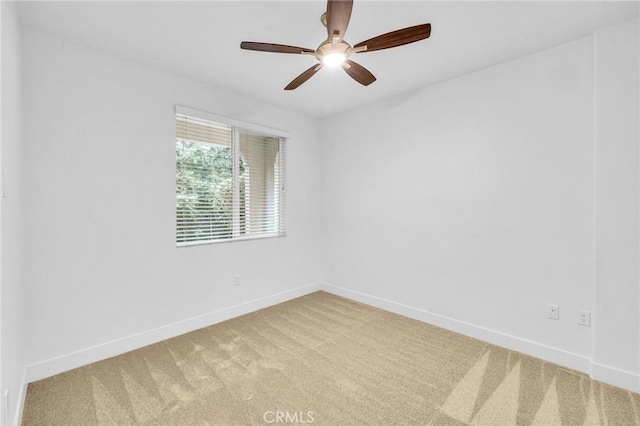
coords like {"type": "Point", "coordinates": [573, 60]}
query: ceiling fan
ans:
{"type": "Point", "coordinates": [334, 51]}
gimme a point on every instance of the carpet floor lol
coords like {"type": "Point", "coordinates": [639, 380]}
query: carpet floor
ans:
{"type": "Point", "coordinates": [322, 359]}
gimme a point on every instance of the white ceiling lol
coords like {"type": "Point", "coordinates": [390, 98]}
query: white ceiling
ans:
{"type": "Point", "coordinates": [201, 40]}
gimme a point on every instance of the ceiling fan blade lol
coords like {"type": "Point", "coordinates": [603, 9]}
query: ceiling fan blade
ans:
{"type": "Point", "coordinates": [338, 16]}
{"type": "Point", "coordinates": [296, 82]}
{"type": "Point", "coordinates": [276, 48]}
{"type": "Point", "coordinates": [396, 38]}
{"type": "Point", "coordinates": [358, 72]}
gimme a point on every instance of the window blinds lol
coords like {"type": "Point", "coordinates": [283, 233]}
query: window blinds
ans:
{"type": "Point", "coordinates": [229, 182]}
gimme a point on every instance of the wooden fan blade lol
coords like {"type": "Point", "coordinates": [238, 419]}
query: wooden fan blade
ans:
{"type": "Point", "coordinates": [338, 16]}
{"type": "Point", "coordinates": [303, 77]}
{"type": "Point", "coordinates": [270, 47]}
{"type": "Point", "coordinates": [396, 38]}
{"type": "Point", "coordinates": [358, 72]}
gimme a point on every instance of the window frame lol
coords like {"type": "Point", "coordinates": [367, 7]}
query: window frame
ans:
{"type": "Point", "coordinates": [236, 127]}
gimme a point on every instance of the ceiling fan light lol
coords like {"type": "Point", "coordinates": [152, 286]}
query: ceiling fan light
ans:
{"type": "Point", "coordinates": [333, 59]}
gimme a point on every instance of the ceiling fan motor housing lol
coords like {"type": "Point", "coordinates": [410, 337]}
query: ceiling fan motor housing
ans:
{"type": "Point", "coordinates": [328, 47]}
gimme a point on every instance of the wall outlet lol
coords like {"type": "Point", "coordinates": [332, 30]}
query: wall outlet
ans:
{"type": "Point", "coordinates": [236, 280]}
{"type": "Point", "coordinates": [553, 312]}
{"type": "Point", "coordinates": [584, 318]}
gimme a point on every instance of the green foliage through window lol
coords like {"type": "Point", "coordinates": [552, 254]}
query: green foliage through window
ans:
{"type": "Point", "coordinates": [205, 191]}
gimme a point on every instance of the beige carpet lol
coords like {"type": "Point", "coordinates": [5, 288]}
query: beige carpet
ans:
{"type": "Point", "coordinates": [325, 360]}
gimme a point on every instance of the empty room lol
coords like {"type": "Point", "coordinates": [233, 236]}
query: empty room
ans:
{"type": "Point", "coordinates": [319, 212]}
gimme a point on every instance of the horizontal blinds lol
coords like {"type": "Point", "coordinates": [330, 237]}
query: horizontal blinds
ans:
{"type": "Point", "coordinates": [204, 169]}
{"type": "Point", "coordinates": [259, 184]}
{"type": "Point", "coordinates": [229, 182]}
{"type": "Point", "coordinates": [198, 130]}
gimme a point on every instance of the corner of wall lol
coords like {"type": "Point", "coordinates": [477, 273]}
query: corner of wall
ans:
{"type": "Point", "coordinates": [12, 336]}
{"type": "Point", "coordinates": [616, 338]}
{"type": "Point", "coordinates": [21, 399]}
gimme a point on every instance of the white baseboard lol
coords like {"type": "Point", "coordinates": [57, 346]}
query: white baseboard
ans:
{"type": "Point", "coordinates": [547, 353]}
{"type": "Point", "coordinates": [60, 364]}
{"type": "Point", "coordinates": [616, 377]}
{"type": "Point", "coordinates": [602, 373]}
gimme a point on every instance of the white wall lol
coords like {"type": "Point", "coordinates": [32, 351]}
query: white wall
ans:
{"type": "Point", "coordinates": [471, 204]}
{"type": "Point", "coordinates": [12, 329]}
{"type": "Point", "coordinates": [617, 311]}
{"type": "Point", "coordinates": [472, 201]}
{"type": "Point", "coordinates": [103, 264]}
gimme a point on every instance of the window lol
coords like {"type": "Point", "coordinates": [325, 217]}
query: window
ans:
{"type": "Point", "coordinates": [229, 180]}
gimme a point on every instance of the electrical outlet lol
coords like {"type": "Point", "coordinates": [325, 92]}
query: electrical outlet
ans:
{"type": "Point", "coordinates": [553, 312]}
{"type": "Point", "coordinates": [584, 318]}
{"type": "Point", "coordinates": [236, 280]}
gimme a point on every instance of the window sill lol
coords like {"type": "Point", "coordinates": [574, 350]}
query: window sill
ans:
{"type": "Point", "coordinates": [229, 240]}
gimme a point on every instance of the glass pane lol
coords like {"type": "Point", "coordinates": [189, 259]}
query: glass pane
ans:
{"type": "Point", "coordinates": [204, 191]}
